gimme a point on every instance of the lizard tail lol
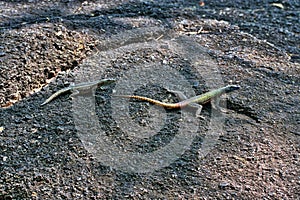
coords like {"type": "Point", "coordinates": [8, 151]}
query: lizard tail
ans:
{"type": "Point", "coordinates": [153, 101]}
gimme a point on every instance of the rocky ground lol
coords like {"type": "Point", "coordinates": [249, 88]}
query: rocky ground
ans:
{"type": "Point", "coordinates": [47, 45]}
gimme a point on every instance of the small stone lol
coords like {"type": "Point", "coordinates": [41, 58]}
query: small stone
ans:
{"type": "Point", "coordinates": [223, 185]}
{"type": "Point", "coordinates": [4, 158]}
{"type": "Point", "coordinates": [28, 116]}
{"type": "Point", "coordinates": [61, 128]}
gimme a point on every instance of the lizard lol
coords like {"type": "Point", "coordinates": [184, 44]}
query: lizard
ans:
{"type": "Point", "coordinates": [193, 102]}
{"type": "Point", "coordinates": [80, 86]}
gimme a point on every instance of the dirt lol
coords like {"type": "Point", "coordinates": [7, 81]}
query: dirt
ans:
{"type": "Point", "coordinates": [46, 46]}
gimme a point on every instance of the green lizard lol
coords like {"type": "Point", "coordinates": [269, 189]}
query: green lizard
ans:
{"type": "Point", "coordinates": [80, 86]}
{"type": "Point", "coordinates": [194, 102]}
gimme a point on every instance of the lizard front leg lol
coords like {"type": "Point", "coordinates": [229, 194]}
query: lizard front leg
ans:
{"type": "Point", "coordinates": [215, 104]}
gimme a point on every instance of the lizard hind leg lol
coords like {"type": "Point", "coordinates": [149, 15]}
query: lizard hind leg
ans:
{"type": "Point", "coordinates": [74, 93]}
{"type": "Point", "coordinates": [194, 107]}
{"type": "Point", "coordinates": [83, 92]}
{"type": "Point", "coordinates": [198, 111]}
{"type": "Point", "coordinates": [179, 94]}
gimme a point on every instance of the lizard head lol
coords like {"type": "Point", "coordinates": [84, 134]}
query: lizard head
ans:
{"type": "Point", "coordinates": [230, 88]}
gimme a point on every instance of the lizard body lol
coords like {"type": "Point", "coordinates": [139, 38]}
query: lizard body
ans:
{"type": "Point", "coordinates": [80, 86]}
{"type": "Point", "coordinates": [194, 102]}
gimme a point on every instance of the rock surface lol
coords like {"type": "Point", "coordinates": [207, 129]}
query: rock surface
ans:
{"type": "Point", "coordinates": [253, 43]}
